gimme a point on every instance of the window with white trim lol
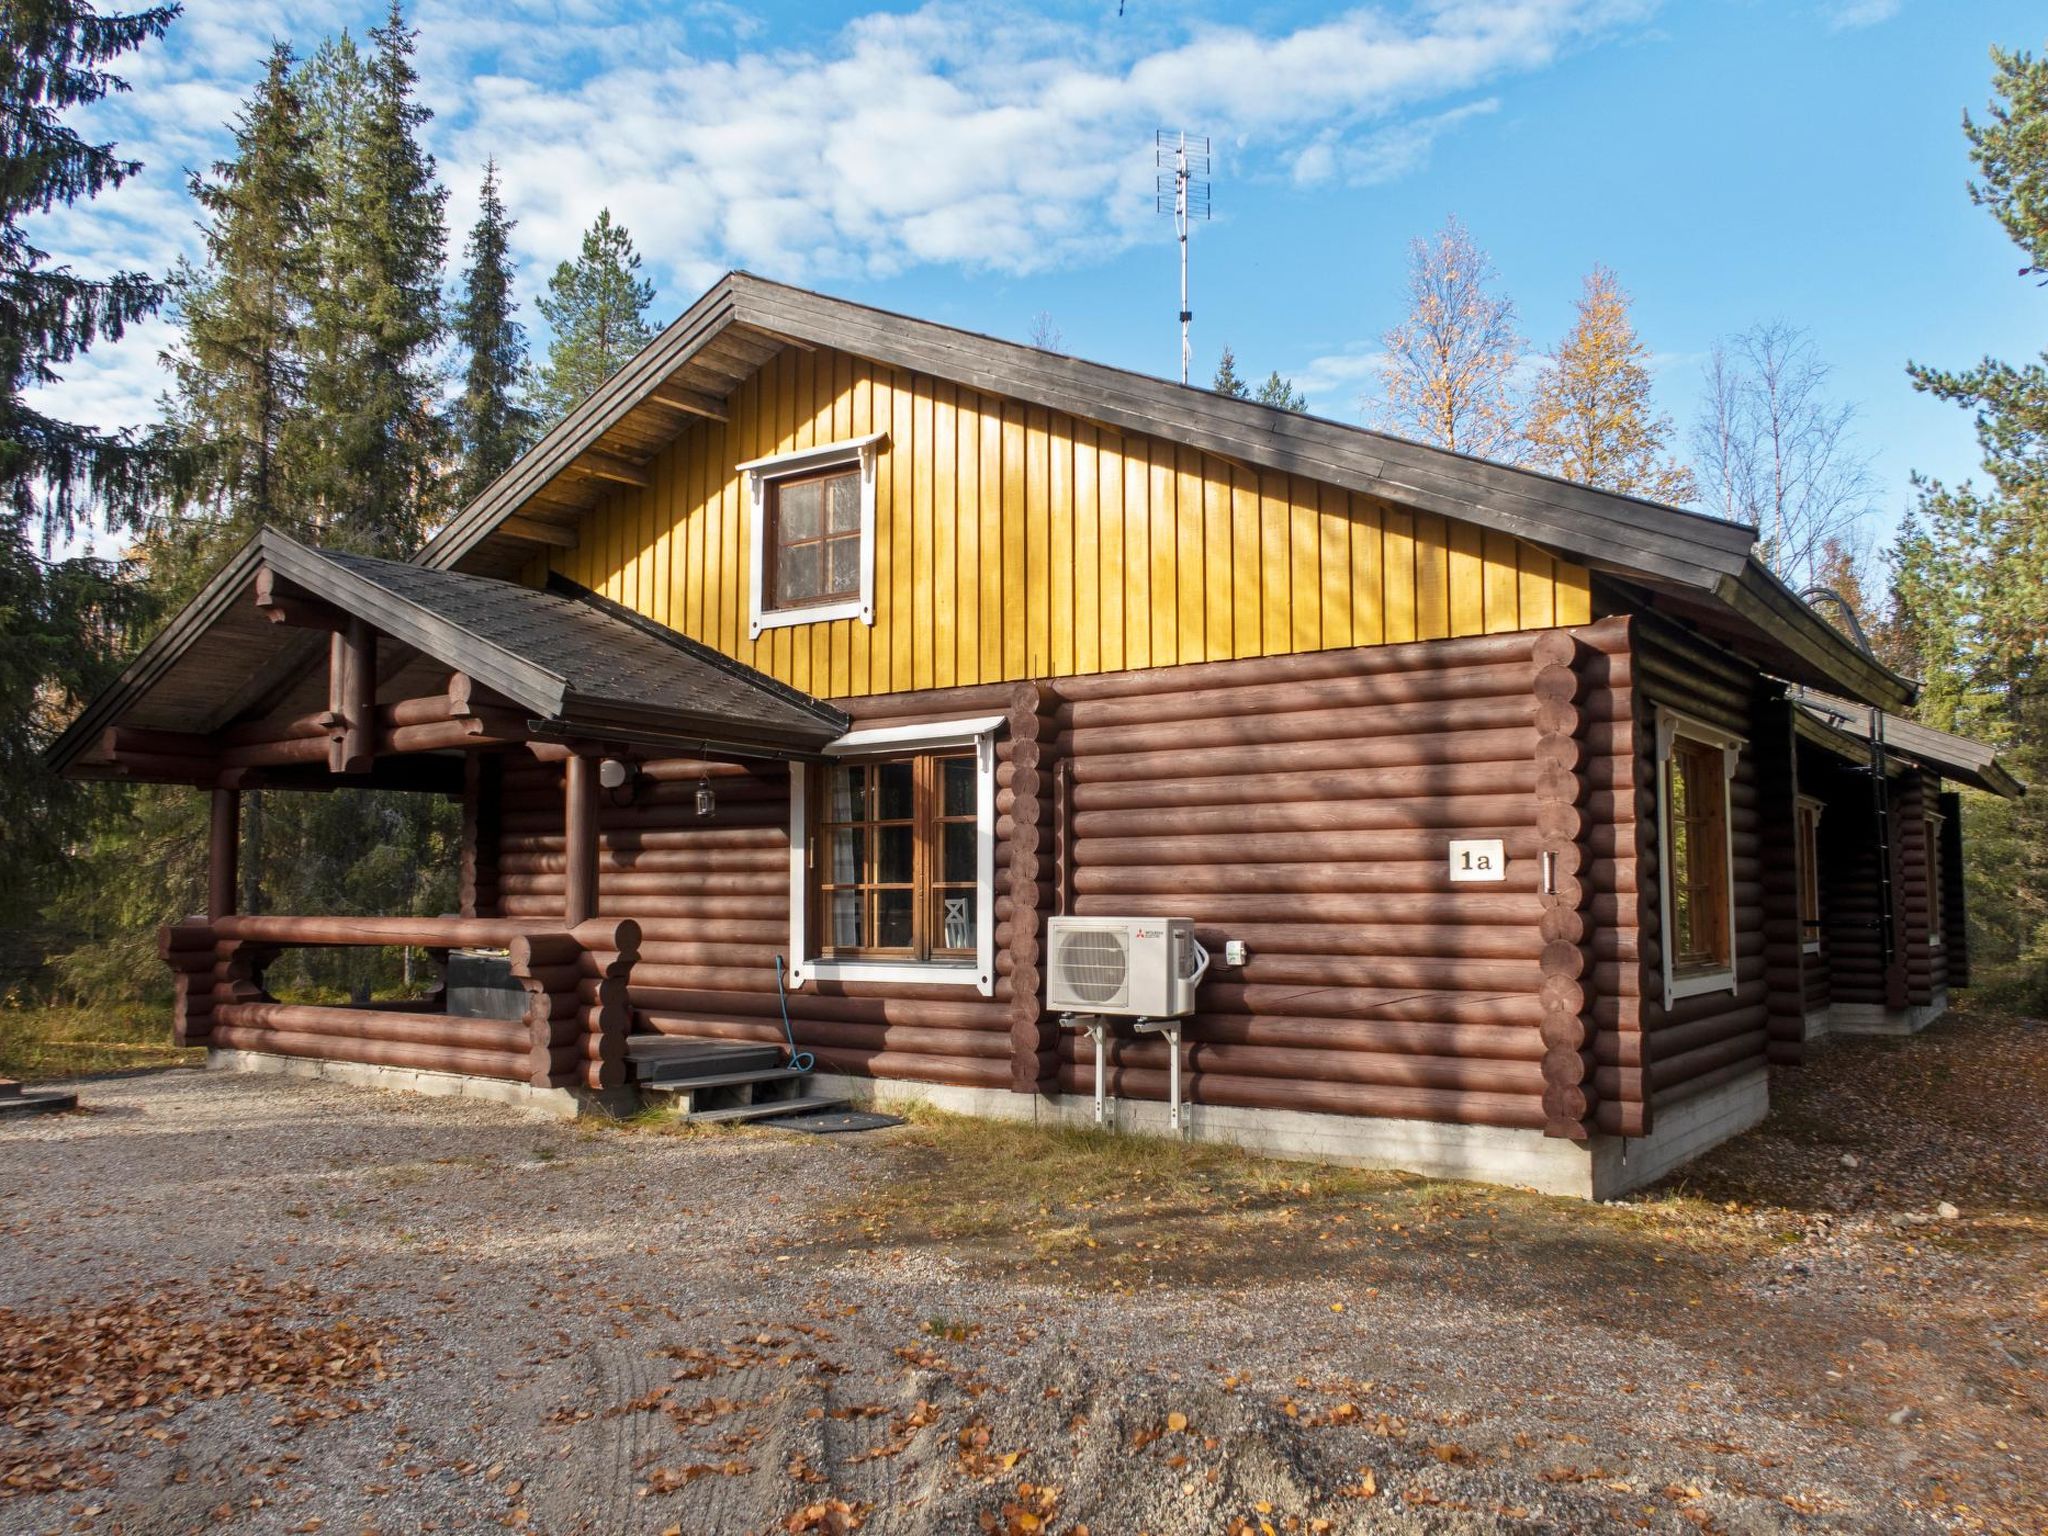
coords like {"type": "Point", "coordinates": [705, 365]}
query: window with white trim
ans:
{"type": "Point", "coordinates": [1807, 852]}
{"type": "Point", "coordinates": [892, 856]}
{"type": "Point", "coordinates": [1695, 766]}
{"type": "Point", "coordinates": [813, 534]}
{"type": "Point", "coordinates": [1935, 916]}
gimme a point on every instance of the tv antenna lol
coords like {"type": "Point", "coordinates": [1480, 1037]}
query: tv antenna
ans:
{"type": "Point", "coordinates": [1181, 189]}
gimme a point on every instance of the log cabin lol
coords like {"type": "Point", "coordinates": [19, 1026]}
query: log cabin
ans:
{"type": "Point", "coordinates": [798, 683]}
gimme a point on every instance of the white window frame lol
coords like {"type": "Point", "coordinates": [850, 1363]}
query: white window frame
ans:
{"type": "Point", "coordinates": [1937, 903]}
{"type": "Point", "coordinates": [1670, 726]}
{"type": "Point", "coordinates": [1819, 807]}
{"type": "Point", "coordinates": [930, 735]}
{"type": "Point", "coordinates": [763, 472]}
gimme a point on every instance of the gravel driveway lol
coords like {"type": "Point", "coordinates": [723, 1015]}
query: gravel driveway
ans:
{"type": "Point", "coordinates": [256, 1304]}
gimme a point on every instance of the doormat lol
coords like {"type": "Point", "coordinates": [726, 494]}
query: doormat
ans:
{"type": "Point", "coordinates": [827, 1122]}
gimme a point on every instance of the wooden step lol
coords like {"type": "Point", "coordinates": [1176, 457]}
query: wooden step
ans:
{"type": "Point", "coordinates": [765, 1110]}
{"type": "Point", "coordinates": [665, 1082]}
{"type": "Point", "coordinates": [676, 1056]}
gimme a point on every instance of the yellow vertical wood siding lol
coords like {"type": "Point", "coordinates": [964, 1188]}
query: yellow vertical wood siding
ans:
{"type": "Point", "coordinates": [1012, 541]}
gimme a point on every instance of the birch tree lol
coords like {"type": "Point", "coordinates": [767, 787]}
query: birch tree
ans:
{"type": "Point", "coordinates": [1592, 419]}
{"type": "Point", "coordinates": [1448, 374]}
{"type": "Point", "coordinates": [1776, 452]}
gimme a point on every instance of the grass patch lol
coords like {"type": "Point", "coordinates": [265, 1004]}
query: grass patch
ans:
{"type": "Point", "coordinates": [1120, 1212]}
{"type": "Point", "coordinates": [42, 1042]}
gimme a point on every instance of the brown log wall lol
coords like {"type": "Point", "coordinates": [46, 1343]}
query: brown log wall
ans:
{"type": "Point", "coordinates": [1925, 962]}
{"type": "Point", "coordinates": [1955, 923]}
{"type": "Point", "coordinates": [1698, 1043]}
{"type": "Point", "coordinates": [1305, 806]}
{"type": "Point", "coordinates": [573, 1032]}
{"type": "Point", "coordinates": [711, 898]}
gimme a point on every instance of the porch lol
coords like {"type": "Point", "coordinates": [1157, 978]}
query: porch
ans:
{"type": "Point", "coordinates": [436, 683]}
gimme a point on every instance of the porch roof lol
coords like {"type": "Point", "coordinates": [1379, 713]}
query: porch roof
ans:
{"type": "Point", "coordinates": [1843, 727]}
{"type": "Point", "coordinates": [580, 666]}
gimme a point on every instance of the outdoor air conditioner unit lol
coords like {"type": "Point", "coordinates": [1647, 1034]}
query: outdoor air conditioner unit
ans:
{"type": "Point", "coordinates": [1138, 967]}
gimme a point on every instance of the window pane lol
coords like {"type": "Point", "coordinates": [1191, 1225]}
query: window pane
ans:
{"type": "Point", "coordinates": [798, 572]}
{"type": "Point", "coordinates": [843, 567]}
{"type": "Point", "coordinates": [845, 925]}
{"type": "Point", "coordinates": [897, 852]}
{"type": "Point", "coordinates": [798, 509]}
{"type": "Point", "coordinates": [956, 860]}
{"type": "Point", "coordinates": [892, 919]}
{"type": "Point", "coordinates": [843, 493]}
{"type": "Point", "coordinates": [846, 794]}
{"type": "Point", "coordinates": [956, 787]}
{"type": "Point", "coordinates": [845, 855]}
{"type": "Point", "coordinates": [954, 928]}
{"type": "Point", "coordinates": [897, 783]}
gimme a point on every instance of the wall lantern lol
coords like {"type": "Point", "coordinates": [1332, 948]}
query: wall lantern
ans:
{"type": "Point", "coordinates": [707, 802]}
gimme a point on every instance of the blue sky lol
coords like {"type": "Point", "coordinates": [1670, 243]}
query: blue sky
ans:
{"type": "Point", "coordinates": [1733, 160]}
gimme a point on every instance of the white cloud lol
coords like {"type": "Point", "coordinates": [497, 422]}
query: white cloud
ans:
{"type": "Point", "coordinates": [990, 138]}
{"type": "Point", "coordinates": [1337, 383]}
{"type": "Point", "coordinates": [1385, 154]}
{"type": "Point", "coordinates": [1849, 15]}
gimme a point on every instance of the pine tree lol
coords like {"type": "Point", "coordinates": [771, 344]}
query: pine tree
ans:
{"type": "Point", "coordinates": [492, 425]}
{"type": "Point", "coordinates": [596, 307]}
{"type": "Point", "coordinates": [1448, 377]}
{"type": "Point", "coordinates": [1226, 381]}
{"type": "Point", "coordinates": [1281, 392]}
{"type": "Point", "coordinates": [1591, 419]}
{"type": "Point", "coordinates": [239, 376]}
{"type": "Point", "coordinates": [1970, 569]}
{"type": "Point", "coordinates": [372, 380]}
{"type": "Point", "coordinates": [60, 620]}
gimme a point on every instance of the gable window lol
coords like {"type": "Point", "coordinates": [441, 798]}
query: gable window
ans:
{"type": "Point", "coordinates": [1694, 766]}
{"type": "Point", "coordinates": [1934, 903]}
{"type": "Point", "coordinates": [892, 874]}
{"type": "Point", "coordinates": [813, 534]}
{"type": "Point", "coordinates": [1807, 852]}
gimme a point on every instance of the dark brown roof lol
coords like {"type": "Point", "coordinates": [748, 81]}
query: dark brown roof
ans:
{"type": "Point", "coordinates": [580, 665]}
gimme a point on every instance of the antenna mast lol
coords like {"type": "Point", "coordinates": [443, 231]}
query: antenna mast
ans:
{"type": "Point", "coordinates": [1181, 188]}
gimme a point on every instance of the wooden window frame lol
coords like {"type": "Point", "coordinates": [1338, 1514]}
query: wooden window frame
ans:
{"type": "Point", "coordinates": [772, 598]}
{"type": "Point", "coordinates": [763, 475]}
{"type": "Point", "coordinates": [1937, 907]}
{"type": "Point", "coordinates": [1806, 851]}
{"type": "Point", "coordinates": [925, 822]}
{"type": "Point", "coordinates": [932, 740]}
{"type": "Point", "coordinates": [1696, 980]}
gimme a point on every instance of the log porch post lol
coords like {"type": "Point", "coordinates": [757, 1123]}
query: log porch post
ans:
{"type": "Point", "coordinates": [579, 839]}
{"type": "Point", "coordinates": [351, 698]}
{"type": "Point", "coordinates": [223, 854]}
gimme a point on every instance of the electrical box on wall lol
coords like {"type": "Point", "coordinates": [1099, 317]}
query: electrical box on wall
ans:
{"type": "Point", "coordinates": [1478, 858]}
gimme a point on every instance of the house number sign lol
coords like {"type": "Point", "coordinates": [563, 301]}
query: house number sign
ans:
{"type": "Point", "coordinates": [1478, 858]}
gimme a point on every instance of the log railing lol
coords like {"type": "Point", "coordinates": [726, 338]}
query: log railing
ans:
{"type": "Point", "coordinates": [572, 1032]}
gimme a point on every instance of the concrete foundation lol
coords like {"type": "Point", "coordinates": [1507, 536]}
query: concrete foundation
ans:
{"type": "Point", "coordinates": [1875, 1019]}
{"type": "Point", "coordinates": [556, 1103]}
{"type": "Point", "coordinates": [1599, 1170]}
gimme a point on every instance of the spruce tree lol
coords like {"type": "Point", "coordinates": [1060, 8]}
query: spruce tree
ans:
{"type": "Point", "coordinates": [59, 618]}
{"type": "Point", "coordinates": [1226, 381]}
{"type": "Point", "coordinates": [239, 374]}
{"type": "Point", "coordinates": [375, 316]}
{"type": "Point", "coordinates": [1591, 419]}
{"type": "Point", "coordinates": [596, 307]}
{"type": "Point", "coordinates": [492, 425]}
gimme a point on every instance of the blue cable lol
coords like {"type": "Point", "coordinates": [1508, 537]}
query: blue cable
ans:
{"type": "Point", "coordinates": [802, 1061]}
